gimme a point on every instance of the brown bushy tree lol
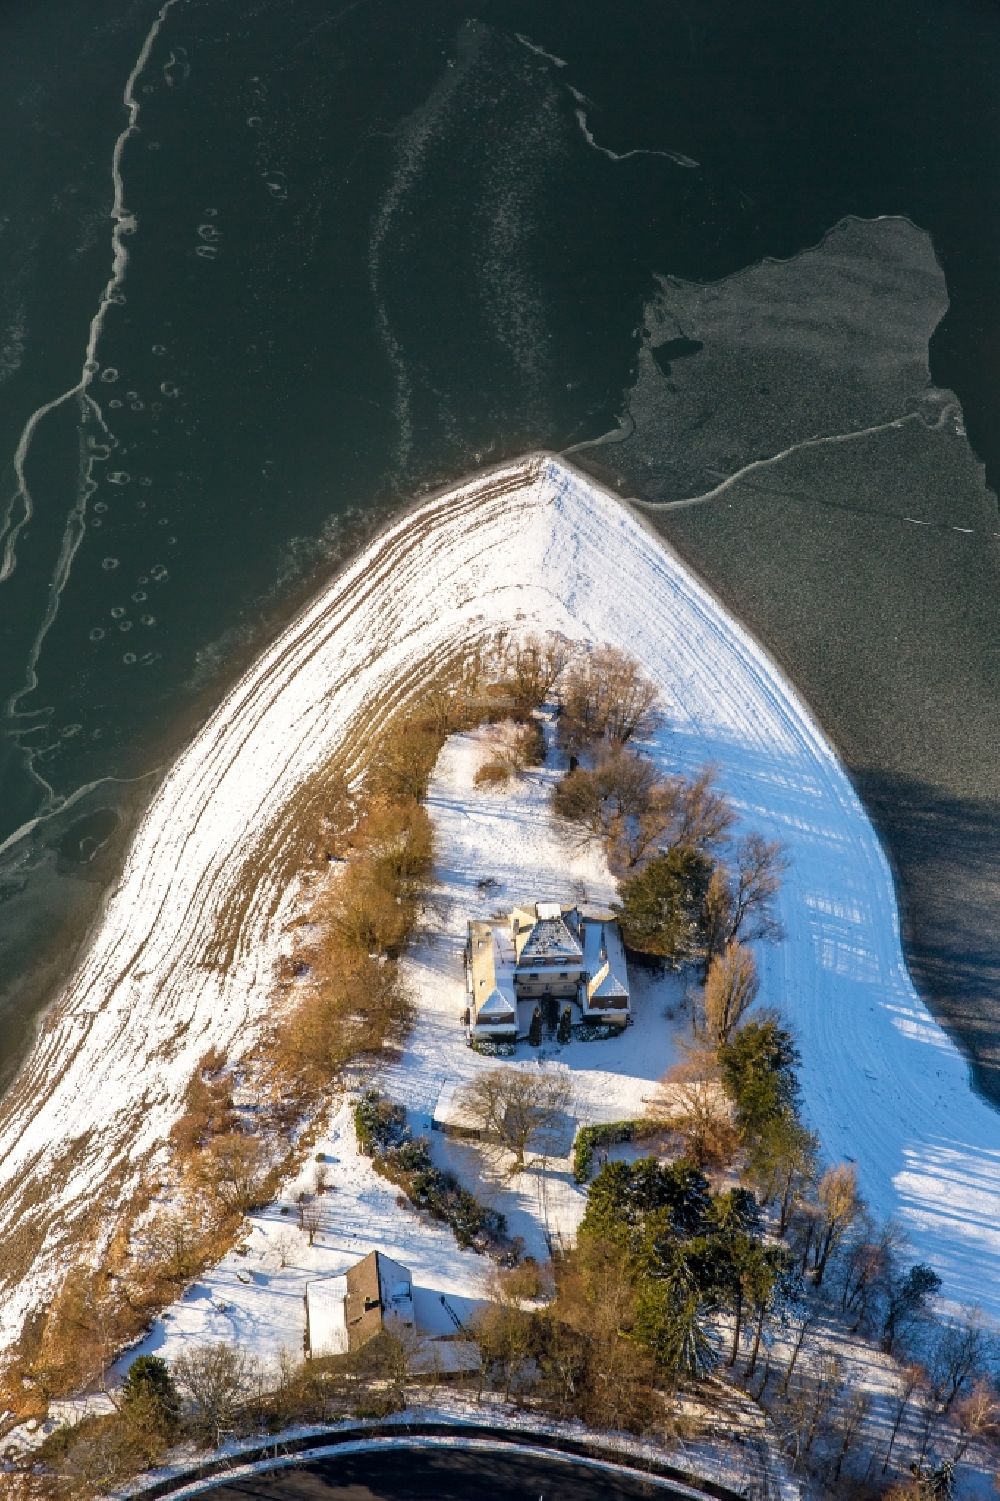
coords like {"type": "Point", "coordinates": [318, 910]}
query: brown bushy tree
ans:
{"type": "Point", "coordinates": [623, 800]}
{"type": "Point", "coordinates": [530, 667]}
{"type": "Point", "coordinates": [605, 696]}
{"type": "Point", "coordinates": [838, 1205]}
{"type": "Point", "coordinates": [354, 1004]}
{"type": "Point", "coordinates": [731, 987]}
{"type": "Point", "coordinates": [695, 1107]}
{"type": "Point", "coordinates": [236, 1171]}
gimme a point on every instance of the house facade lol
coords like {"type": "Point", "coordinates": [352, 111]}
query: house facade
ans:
{"type": "Point", "coordinates": [541, 955]}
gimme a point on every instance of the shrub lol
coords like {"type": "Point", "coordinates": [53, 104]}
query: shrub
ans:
{"type": "Point", "coordinates": [565, 1029]}
{"type": "Point", "coordinates": [596, 1031]}
{"type": "Point", "coordinates": [529, 745]}
{"type": "Point", "coordinates": [492, 774]}
{"type": "Point", "coordinates": [380, 1124]}
{"type": "Point", "coordinates": [380, 1404]}
{"type": "Point", "coordinates": [149, 1394]}
{"type": "Point", "coordinates": [488, 1048]}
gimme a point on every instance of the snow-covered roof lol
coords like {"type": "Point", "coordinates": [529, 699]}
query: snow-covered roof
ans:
{"type": "Point", "coordinates": [326, 1301]}
{"type": "Point", "coordinates": [604, 960]}
{"type": "Point", "coordinates": [451, 1111]}
{"type": "Point", "coordinates": [497, 1005]}
{"type": "Point", "coordinates": [493, 961]}
{"type": "Point", "coordinates": [395, 1288]}
{"type": "Point", "coordinates": [605, 985]}
{"type": "Point", "coordinates": [550, 937]}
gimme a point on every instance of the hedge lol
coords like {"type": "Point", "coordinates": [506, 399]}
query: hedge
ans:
{"type": "Point", "coordinates": [590, 1138]}
{"type": "Point", "coordinates": [405, 1160]}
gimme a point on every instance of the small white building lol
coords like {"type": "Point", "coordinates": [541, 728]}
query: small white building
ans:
{"type": "Point", "coordinates": [452, 1115]}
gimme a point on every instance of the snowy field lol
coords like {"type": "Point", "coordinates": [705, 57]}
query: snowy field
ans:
{"type": "Point", "coordinates": [535, 546]}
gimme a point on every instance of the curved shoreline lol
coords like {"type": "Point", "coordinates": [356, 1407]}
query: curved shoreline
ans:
{"type": "Point", "coordinates": [533, 545]}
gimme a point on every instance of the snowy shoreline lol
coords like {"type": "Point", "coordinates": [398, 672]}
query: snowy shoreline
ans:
{"type": "Point", "coordinates": [533, 545]}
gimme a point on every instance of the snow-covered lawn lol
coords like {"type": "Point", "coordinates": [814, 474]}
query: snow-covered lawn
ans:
{"type": "Point", "coordinates": [510, 839]}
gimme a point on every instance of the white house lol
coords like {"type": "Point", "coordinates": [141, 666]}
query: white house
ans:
{"type": "Point", "coordinates": [544, 955]}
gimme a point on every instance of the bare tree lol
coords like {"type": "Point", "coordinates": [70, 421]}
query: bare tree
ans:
{"type": "Point", "coordinates": [695, 1106]}
{"type": "Point", "coordinates": [839, 1205]}
{"type": "Point", "coordinates": [908, 1379]}
{"type": "Point", "coordinates": [312, 1221]}
{"type": "Point", "coordinates": [606, 696]}
{"type": "Point", "coordinates": [805, 1320]}
{"type": "Point", "coordinates": [283, 1245]}
{"type": "Point", "coordinates": [520, 1108]}
{"type": "Point", "coordinates": [740, 902]}
{"type": "Point", "coordinates": [702, 816]}
{"type": "Point", "coordinates": [958, 1357]}
{"type": "Point", "coordinates": [503, 1330]}
{"type": "Point", "coordinates": [760, 864]}
{"type": "Point", "coordinates": [216, 1379]}
{"type": "Point", "coordinates": [849, 1420]}
{"type": "Point", "coordinates": [811, 1404]}
{"type": "Point", "coordinates": [731, 988]}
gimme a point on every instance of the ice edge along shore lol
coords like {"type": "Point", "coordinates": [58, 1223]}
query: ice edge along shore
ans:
{"type": "Point", "coordinates": [531, 545]}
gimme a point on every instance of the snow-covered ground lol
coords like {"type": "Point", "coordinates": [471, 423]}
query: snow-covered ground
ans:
{"type": "Point", "coordinates": [534, 546]}
{"type": "Point", "coordinates": [510, 839]}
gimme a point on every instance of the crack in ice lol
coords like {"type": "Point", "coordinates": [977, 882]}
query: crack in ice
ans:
{"type": "Point", "coordinates": [677, 157]}
{"type": "Point", "coordinates": [20, 508]}
{"type": "Point", "coordinates": [822, 440]}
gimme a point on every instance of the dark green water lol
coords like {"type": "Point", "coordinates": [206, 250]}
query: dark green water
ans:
{"type": "Point", "coordinates": [374, 246]}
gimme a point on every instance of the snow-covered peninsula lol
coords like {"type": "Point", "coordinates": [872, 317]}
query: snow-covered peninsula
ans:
{"type": "Point", "coordinates": [183, 958]}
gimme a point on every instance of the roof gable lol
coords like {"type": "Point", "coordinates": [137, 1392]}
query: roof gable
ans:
{"type": "Point", "coordinates": [606, 985]}
{"type": "Point", "coordinates": [496, 1004]}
